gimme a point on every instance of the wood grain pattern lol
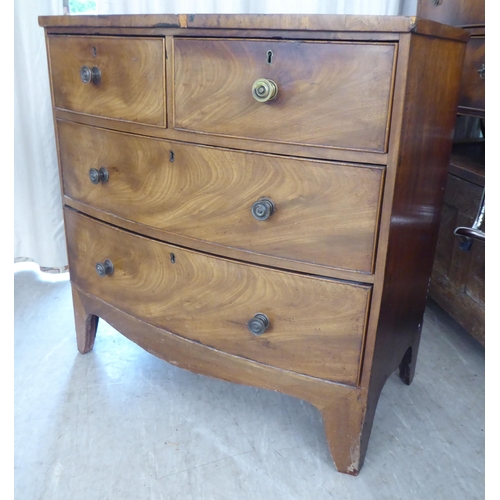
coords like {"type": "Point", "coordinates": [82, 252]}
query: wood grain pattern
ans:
{"type": "Point", "coordinates": [211, 362]}
{"type": "Point", "coordinates": [317, 325]}
{"type": "Point", "coordinates": [458, 276]}
{"type": "Point", "coordinates": [214, 249]}
{"type": "Point", "coordinates": [302, 151]}
{"type": "Point", "coordinates": [416, 178]}
{"type": "Point", "coordinates": [191, 308]}
{"type": "Point", "coordinates": [271, 22]}
{"type": "Point", "coordinates": [326, 96]}
{"type": "Point", "coordinates": [341, 406]}
{"type": "Point", "coordinates": [132, 87]}
{"type": "Point", "coordinates": [357, 36]}
{"type": "Point", "coordinates": [207, 194]}
{"type": "Point", "coordinates": [472, 90]}
{"type": "Point", "coordinates": [454, 12]}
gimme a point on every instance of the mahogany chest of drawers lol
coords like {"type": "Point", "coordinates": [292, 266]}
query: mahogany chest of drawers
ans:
{"type": "Point", "coordinates": [257, 198]}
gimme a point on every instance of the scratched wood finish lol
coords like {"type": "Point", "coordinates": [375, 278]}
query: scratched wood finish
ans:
{"type": "Point", "coordinates": [424, 100]}
{"type": "Point", "coordinates": [416, 179]}
{"type": "Point", "coordinates": [256, 22]}
{"type": "Point", "coordinates": [207, 194]}
{"type": "Point", "coordinates": [458, 276]}
{"type": "Point", "coordinates": [316, 325]}
{"type": "Point", "coordinates": [208, 361]}
{"type": "Point", "coordinates": [326, 97]}
{"type": "Point", "coordinates": [339, 404]}
{"type": "Point", "coordinates": [472, 90]}
{"type": "Point", "coordinates": [454, 12]}
{"type": "Point", "coordinates": [132, 86]}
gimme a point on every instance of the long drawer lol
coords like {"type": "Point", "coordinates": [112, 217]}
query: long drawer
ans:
{"type": "Point", "coordinates": [322, 212]}
{"type": "Point", "coordinates": [328, 94]}
{"type": "Point", "coordinates": [316, 325]}
{"type": "Point", "coordinates": [110, 76]}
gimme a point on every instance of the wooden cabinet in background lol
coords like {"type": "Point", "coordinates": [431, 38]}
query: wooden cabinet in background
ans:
{"type": "Point", "coordinates": [457, 283]}
{"type": "Point", "coordinates": [458, 277]}
{"type": "Point", "coordinates": [454, 12]}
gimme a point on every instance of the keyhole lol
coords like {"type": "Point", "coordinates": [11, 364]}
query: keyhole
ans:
{"type": "Point", "coordinates": [172, 258]}
{"type": "Point", "coordinates": [171, 156]}
{"type": "Point", "coordinates": [269, 56]}
{"type": "Point", "coordinates": [94, 51]}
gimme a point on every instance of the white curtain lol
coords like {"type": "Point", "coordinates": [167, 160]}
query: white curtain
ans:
{"type": "Point", "coordinates": [371, 7]}
{"type": "Point", "coordinates": [38, 223]}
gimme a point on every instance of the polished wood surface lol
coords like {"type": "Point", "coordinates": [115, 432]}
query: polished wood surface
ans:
{"type": "Point", "coordinates": [413, 198]}
{"type": "Point", "coordinates": [316, 325]}
{"type": "Point", "coordinates": [333, 340]}
{"type": "Point", "coordinates": [472, 90]}
{"type": "Point", "coordinates": [458, 275]}
{"type": "Point", "coordinates": [454, 12]}
{"type": "Point", "coordinates": [198, 358]}
{"type": "Point", "coordinates": [207, 194]}
{"type": "Point", "coordinates": [132, 86]}
{"type": "Point", "coordinates": [340, 105]}
{"type": "Point", "coordinates": [245, 144]}
{"type": "Point", "coordinates": [255, 22]}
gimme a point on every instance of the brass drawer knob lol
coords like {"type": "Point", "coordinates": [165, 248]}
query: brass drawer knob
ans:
{"type": "Point", "coordinates": [88, 75]}
{"type": "Point", "coordinates": [258, 324]}
{"type": "Point", "coordinates": [263, 208]}
{"type": "Point", "coordinates": [96, 176]}
{"type": "Point", "coordinates": [264, 90]}
{"type": "Point", "coordinates": [105, 268]}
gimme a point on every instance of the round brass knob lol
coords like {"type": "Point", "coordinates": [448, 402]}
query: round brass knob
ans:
{"type": "Point", "coordinates": [96, 75]}
{"type": "Point", "coordinates": [105, 268]}
{"type": "Point", "coordinates": [264, 90]}
{"type": "Point", "coordinates": [85, 74]}
{"type": "Point", "coordinates": [96, 176]}
{"type": "Point", "coordinates": [88, 75]}
{"type": "Point", "coordinates": [258, 324]}
{"type": "Point", "coordinates": [263, 208]}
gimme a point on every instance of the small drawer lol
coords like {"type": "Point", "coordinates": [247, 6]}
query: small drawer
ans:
{"type": "Point", "coordinates": [113, 77]}
{"type": "Point", "coordinates": [323, 213]}
{"type": "Point", "coordinates": [327, 94]}
{"type": "Point", "coordinates": [472, 91]}
{"type": "Point", "coordinates": [315, 326]}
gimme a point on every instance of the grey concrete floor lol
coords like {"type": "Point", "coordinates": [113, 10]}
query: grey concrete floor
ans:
{"type": "Point", "coordinates": [118, 423]}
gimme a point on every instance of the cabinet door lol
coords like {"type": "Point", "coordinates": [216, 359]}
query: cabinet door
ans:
{"type": "Point", "coordinates": [457, 282]}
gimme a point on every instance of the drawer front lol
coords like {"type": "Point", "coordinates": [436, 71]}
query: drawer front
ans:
{"type": "Point", "coordinates": [316, 326]}
{"type": "Point", "coordinates": [472, 91]}
{"type": "Point", "coordinates": [329, 94]}
{"type": "Point", "coordinates": [129, 84]}
{"type": "Point", "coordinates": [324, 213]}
